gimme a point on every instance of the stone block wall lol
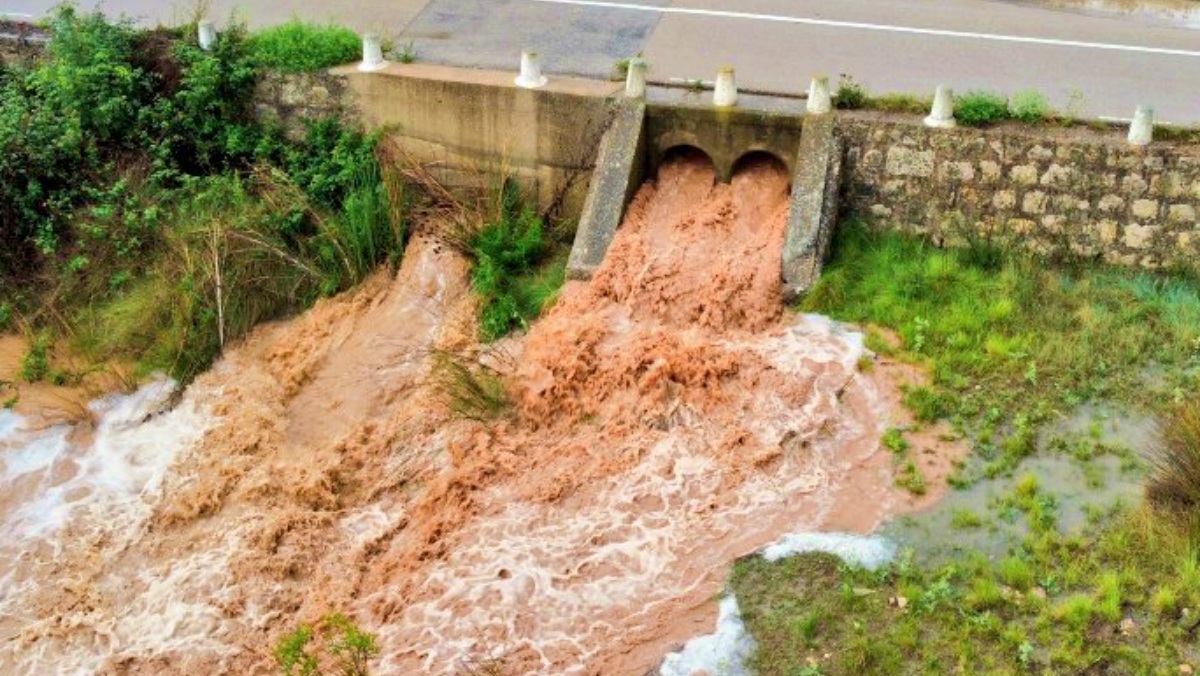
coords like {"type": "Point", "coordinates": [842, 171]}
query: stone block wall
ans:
{"type": "Point", "coordinates": [20, 43]}
{"type": "Point", "coordinates": [1051, 190]}
{"type": "Point", "coordinates": [293, 99]}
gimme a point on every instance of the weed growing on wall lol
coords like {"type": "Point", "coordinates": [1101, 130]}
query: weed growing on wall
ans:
{"type": "Point", "coordinates": [980, 108]}
{"type": "Point", "coordinates": [1029, 107]}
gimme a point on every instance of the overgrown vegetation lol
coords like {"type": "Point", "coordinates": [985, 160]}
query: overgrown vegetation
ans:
{"type": "Point", "coordinates": [337, 646]}
{"type": "Point", "coordinates": [145, 215]}
{"type": "Point", "coordinates": [300, 47]}
{"type": "Point", "coordinates": [1010, 341]}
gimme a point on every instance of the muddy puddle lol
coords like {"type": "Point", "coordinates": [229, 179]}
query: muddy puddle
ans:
{"type": "Point", "coordinates": [1089, 462]}
{"type": "Point", "coordinates": [670, 417]}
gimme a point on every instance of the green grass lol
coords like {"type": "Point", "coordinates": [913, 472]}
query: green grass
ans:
{"type": "Point", "coordinates": [1054, 605]}
{"type": "Point", "coordinates": [980, 108]}
{"type": "Point", "coordinates": [300, 47]}
{"type": "Point", "coordinates": [1010, 341]}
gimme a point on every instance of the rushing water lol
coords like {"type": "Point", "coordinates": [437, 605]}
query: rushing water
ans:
{"type": "Point", "coordinates": [669, 418]}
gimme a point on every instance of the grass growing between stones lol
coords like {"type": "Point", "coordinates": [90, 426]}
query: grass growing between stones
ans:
{"type": "Point", "coordinates": [1011, 342]}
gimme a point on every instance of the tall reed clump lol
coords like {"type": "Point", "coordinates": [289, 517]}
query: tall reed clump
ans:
{"type": "Point", "coordinates": [468, 388]}
{"type": "Point", "coordinates": [1174, 480]}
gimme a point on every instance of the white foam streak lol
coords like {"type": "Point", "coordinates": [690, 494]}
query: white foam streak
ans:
{"type": "Point", "coordinates": [727, 651]}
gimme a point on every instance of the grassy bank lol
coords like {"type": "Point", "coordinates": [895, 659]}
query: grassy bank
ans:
{"type": "Point", "coordinates": [1010, 341]}
{"type": "Point", "coordinates": [1013, 344]}
{"type": "Point", "coordinates": [146, 216]}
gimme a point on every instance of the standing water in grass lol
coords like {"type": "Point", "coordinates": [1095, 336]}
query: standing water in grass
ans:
{"type": "Point", "coordinates": [662, 419]}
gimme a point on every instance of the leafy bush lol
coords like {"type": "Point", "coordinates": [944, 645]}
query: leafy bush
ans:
{"type": "Point", "coordinates": [979, 108]}
{"type": "Point", "coordinates": [339, 641]}
{"type": "Point", "coordinates": [299, 47]}
{"type": "Point", "coordinates": [1030, 106]}
{"type": "Point", "coordinates": [505, 251]}
{"type": "Point", "coordinates": [35, 365]}
{"type": "Point", "coordinates": [850, 94]}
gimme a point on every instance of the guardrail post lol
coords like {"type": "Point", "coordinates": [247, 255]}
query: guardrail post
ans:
{"type": "Point", "coordinates": [531, 71]}
{"type": "Point", "coordinates": [942, 114]}
{"type": "Point", "coordinates": [725, 92]}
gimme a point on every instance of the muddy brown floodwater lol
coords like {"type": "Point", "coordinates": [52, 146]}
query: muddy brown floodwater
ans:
{"type": "Point", "coordinates": [670, 416]}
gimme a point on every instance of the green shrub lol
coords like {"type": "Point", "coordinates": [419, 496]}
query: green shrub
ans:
{"type": "Point", "coordinates": [35, 365]}
{"type": "Point", "coordinates": [1029, 106]}
{"type": "Point", "coordinates": [299, 47]}
{"type": "Point", "coordinates": [339, 642]}
{"type": "Point", "coordinates": [850, 93]}
{"type": "Point", "coordinates": [979, 108]}
{"type": "Point", "coordinates": [507, 253]}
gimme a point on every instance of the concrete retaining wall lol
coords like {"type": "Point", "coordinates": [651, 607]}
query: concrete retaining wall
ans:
{"type": "Point", "coordinates": [1051, 190]}
{"type": "Point", "coordinates": [467, 124]}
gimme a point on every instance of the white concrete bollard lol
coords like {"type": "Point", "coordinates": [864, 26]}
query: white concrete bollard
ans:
{"type": "Point", "coordinates": [942, 114]}
{"type": "Point", "coordinates": [531, 71]}
{"type": "Point", "coordinates": [819, 99]}
{"type": "Point", "coordinates": [372, 58]}
{"type": "Point", "coordinates": [725, 92]}
{"type": "Point", "coordinates": [635, 79]}
{"type": "Point", "coordinates": [1141, 131]}
{"type": "Point", "coordinates": [206, 33]}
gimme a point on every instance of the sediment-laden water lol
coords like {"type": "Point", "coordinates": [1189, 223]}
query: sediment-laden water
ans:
{"type": "Point", "coordinates": [670, 416]}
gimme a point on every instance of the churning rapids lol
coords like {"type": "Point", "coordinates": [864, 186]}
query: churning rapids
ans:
{"type": "Point", "coordinates": [670, 416]}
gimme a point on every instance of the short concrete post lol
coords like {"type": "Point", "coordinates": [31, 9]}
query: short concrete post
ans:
{"type": "Point", "coordinates": [531, 71]}
{"type": "Point", "coordinates": [942, 115]}
{"type": "Point", "coordinates": [206, 33]}
{"type": "Point", "coordinates": [725, 92]}
{"type": "Point", "coordinates": [1141, 131]}
{"type": "Point", "coordinates": [635, 79]}
{"type": "Point", "coordinates": [819, 99]}
{"type": "Point", "coordinates": [372, 57]}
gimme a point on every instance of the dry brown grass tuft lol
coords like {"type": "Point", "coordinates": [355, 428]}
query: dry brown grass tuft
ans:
{"type": "Point", "coordinates": [1174, 481]}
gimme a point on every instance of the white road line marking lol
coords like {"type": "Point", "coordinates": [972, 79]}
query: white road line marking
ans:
{"type": "Point", "coordinates": [778, 18]}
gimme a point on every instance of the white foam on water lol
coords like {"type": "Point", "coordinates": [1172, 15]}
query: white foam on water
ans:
{"type": "Point", "coordinates": [723, 653]}
{"type": "Point", "coordinates": [726, 651]}
{"type": "Point", "coordinates": [65, 490]}
{"type": "Point", "coordinates": [866, 552]}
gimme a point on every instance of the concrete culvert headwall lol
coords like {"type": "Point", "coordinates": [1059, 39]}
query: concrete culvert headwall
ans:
{"type": "Point", "coordinates": [759, 158]}
{"type": "Point", "coordinates": [685, 152]}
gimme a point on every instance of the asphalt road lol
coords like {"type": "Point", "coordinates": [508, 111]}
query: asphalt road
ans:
{"type": "Point", "coordinates": [1096, 65]}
